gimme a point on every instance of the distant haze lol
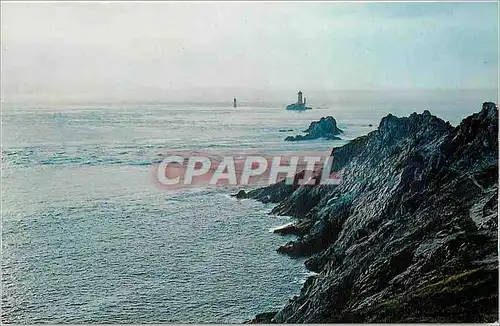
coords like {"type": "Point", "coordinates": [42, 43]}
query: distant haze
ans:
{"type": "Point", "coordinates": [156, 51]}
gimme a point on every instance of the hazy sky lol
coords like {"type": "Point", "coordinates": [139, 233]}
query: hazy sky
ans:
{"type": "Point", "coordinates": [180, 51]}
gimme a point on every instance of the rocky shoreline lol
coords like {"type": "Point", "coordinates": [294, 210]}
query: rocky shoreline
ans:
{"type": "Point", "coordinates": [410, 234]}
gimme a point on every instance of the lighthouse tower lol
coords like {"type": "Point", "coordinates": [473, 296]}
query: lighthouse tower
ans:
{"type": "Point", "coordinates": [299, 99]}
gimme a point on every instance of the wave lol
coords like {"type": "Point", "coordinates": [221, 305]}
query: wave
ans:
{"type": "Point", "coordinates": [280, 227]}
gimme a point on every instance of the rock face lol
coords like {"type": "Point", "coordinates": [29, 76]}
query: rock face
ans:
{"type": "Point", "coordinates": [263, 318]}
{"type": "Point", "coordinates": [410, 234]}
{"type": "Point", "coordinates": [324, 128]}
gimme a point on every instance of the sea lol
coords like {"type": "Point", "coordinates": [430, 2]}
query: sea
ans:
{"type": "Point", "coordinates": [89, 237]}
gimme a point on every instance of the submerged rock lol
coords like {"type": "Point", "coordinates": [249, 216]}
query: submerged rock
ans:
{"type": "Point", "coordinates": [410, 235]}
{"type": "Point", "coordinates": [324, 128]}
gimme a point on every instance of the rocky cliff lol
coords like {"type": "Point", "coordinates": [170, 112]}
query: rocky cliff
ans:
{"type": "Point", "coordinates": [410, 235]}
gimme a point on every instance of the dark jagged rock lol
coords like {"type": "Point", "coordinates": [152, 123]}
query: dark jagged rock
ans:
{"type": "Point", "coordinates": [272, 194]}
{"type": "Point", "coordinates": [300, 229]}
{"type": "Point", "coordinates": [324, 128]}
{"type": "Point", "coordinates": [410, 234]}
{"type": "Point", "coordinates": [326, 125]}
{"type": "Point", "coordinates": [263, 318]}
{"type": "Point", "coordinates": [279, 191]}
{"type": "Point", "coordinates": [241, 194]}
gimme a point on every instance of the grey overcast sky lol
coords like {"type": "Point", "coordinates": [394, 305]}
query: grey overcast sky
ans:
{"type": "Point", "coordinates": [172, 50]}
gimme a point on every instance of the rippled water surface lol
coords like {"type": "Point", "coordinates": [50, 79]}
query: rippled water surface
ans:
{"type": "Point", "coordinates": [87, 237]}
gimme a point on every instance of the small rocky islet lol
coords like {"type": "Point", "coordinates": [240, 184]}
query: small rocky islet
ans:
{"type": "Point", "coordinates": [325, 128]}
{"type": "Point", "coordinates": [409, 235]}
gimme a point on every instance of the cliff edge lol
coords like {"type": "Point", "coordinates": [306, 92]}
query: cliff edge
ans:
{"type": "Point", "coordinates": [410, 234]}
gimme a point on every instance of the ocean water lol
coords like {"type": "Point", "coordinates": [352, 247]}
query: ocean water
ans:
{"type": "Point", "coordinates": [87, 237]}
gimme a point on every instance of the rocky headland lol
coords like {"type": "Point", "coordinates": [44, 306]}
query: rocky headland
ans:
{"type": "Point", "coordinates": [409, 235]}
{"type": "Point", "coordinates": [326, 128]}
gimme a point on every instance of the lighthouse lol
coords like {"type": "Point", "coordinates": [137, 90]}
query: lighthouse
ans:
{"type": "Point", "coordinates": [300, 105]}
{"type": "Point", "coordinates": [234, 103]}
